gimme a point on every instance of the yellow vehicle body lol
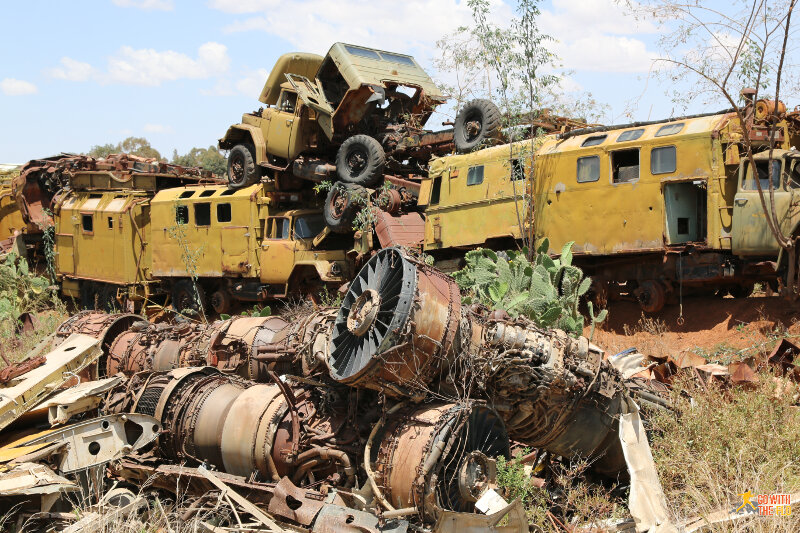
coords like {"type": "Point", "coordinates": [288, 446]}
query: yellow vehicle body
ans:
{"type": "Point", "coordinates": [608, 212]}
{"type": "Point", "coordinates": [662, 184]}
{"type": "Point", "coordinates": [668, 203]}
{"type": "Point", "coordinates": [125, 246]}
{"type": "Point", "coordinates": [209, 231]}
{"type": "Point", "coordinates": [103, 237]}
{"type": "Point", "coordinates": [475, 199]}
{"type": "Point", "coordinates": [10, 216]}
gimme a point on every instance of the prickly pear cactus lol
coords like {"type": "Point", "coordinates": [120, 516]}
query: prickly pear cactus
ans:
{"type": "Point", "coordinates": [546, 290]}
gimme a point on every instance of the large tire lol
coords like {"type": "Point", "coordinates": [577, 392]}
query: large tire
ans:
{"type": "Point", "coordinates": [478, 121]}
{"type": "Point", "coordinates": [742, 291]}
{"type": "Point", "coordinates": [341, 206]}
{"type": "Point", "coordinates": [242, 169]}
{"type": "Point", "coordinates": [360, 160]}
{"type": "Point", "coordinates": [184, 297]}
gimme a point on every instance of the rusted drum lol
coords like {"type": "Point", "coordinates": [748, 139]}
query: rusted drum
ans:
{"type": "Point", "coordinates": [233, 341]}
{"type": "Point", "coordinates": [246, 429]}
{"type": "Point", "coordinates": [440, 455]}
{"type": "Point", "coordinates": [249, 430]}
{"type": "Point", "coordinates": [395, 328]}
{"type": "Point", "coordinates": [128, 354]}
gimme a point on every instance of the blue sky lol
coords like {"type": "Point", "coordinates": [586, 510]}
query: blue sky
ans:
{"type": "Point", "coordinates": [76, 74]}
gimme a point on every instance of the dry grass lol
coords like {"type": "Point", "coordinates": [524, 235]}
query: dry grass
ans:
{"type": "Point", "coordinates": [16, 347]}
{"type": "Point", "coordinates": [724, 442]}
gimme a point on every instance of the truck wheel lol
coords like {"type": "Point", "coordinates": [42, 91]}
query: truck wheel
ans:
{"type": "Point", "coordinates": [360, 160]}
{"type": "Point", "coordinates": [242, 169]}
{"type": "Point", "coordinates": [742, 291]}
{"type": "Point", "coordinates": [184, 297]}
{"type": "Point", "coordinates": [343, 202]}
{"type": "Point", "coordinates": [651, 296]}
{"type": "Point", "coordinates": [478, 121]}
{"type": "Point", "coordinates": [222, 301]}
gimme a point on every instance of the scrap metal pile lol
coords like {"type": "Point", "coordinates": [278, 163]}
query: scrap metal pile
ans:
{"type": "Point", "coordinates": [386, 414]}
{"type": "Point", "coordinates": [40, 180]}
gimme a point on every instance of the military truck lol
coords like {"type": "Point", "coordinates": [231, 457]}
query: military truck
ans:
{"type": "Point", "coordinates": [128, 234]}
{"type": "Point", "coordinates": [655, 209]}
{"type": "Point", "coordinates": [359, 107]}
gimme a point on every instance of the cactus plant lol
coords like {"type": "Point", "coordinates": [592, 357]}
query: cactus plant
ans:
{"type": "Point", "coordinates": [546, 290]}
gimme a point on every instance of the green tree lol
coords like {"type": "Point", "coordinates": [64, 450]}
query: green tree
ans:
{"type": "Point", "coordinates": [131, 145]}
{"type": "Point", "coordinates": [208, 158]}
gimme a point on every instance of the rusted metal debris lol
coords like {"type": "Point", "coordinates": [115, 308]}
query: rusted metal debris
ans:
{"type": "Point", "coordinates": [392, 407]}
{"type": "Point", "coordinates": [40, 180]}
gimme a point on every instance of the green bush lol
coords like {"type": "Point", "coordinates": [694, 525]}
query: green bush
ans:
{"type": "Point", "coordinates": [20, 290]}
{"type": "Point", "coordinates": [545, 290]}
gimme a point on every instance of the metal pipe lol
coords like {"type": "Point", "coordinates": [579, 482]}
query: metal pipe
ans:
{"type": "Point", "coordinates": [368, 469]}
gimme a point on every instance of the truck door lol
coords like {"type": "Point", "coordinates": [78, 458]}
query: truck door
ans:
{"type": "Point", "coordinates": [314, 97]}
{"type": "Point", "coordinates": [751, 234]}
{"type": "Point", "coordinates": [282, 125]}
{"type": "Point", "coordinates": [277, 252]}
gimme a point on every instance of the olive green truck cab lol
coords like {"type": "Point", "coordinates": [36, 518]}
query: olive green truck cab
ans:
{"type": "Point", "coordinates": [360, 107]}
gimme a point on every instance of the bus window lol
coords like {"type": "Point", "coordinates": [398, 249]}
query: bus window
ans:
{"type": "Point", "coordinates": [588, 169]}
{"type": "Point", "coordinates": [625, 165]}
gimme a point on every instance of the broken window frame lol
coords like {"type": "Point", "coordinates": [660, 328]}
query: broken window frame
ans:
{"type": "Point", "coordinates": [90, 218]}
{"type": "Point", "coordinates": [181, 215]}
{"type": "Point", "coordinates": [225, 209]}
{"type": "Point", "coordinates": [286, 104]}
{"type": "Point", "coordinates": [615, 168]}
{"type": "Point", "coordinates": [749, 183]}
{"type": "Point", "coordinates": [659, 149]}
{"type": "Point", "coordinates": [517, 169]}
{"type": "Point", "coordinates": [285, 227]}
{"type": "Point", "coordinates": [199, 211]}
{"type": "Point", "coordinates": [436, 191]}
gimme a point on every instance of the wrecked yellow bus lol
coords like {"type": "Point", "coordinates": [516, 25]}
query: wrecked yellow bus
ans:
{"type": "Point", "coordinates": [653, 208]}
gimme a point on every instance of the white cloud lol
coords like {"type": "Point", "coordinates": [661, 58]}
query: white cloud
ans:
{"type": "Point", "coordinates": [150, 67]}
{"type": "Point", "coordinates": [146, 66]}
{"type": "Point", "coordinates": [222, 87]}
{"type": "Point", "coordinates": [252, 83]}
{"type": "Point", "coordinates": [149, 5]}
{"type": "Point", "coordinates": [597, 35]}
{"type": "Point", "coordinates": [412, 26]}
{"type": "Point", "coordinates": [72, 70]}
{"type": "Point", "coordinates": [157, 128]}
{"type": "Point", "coordinates": [14, 87]}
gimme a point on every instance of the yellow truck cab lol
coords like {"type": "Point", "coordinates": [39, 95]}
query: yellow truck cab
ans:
{"type": "Point", "coordinates": [239, 247]}
{"type": "Point", "coordinates": [126, 239]}
{"type": "Point", "coordinates": [653, 208]}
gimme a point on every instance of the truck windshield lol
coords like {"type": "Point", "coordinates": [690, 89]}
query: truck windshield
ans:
{"type": "Point", "coordinates": [763, 176]}
{"type": "Point", "coordinates": [308, 226]}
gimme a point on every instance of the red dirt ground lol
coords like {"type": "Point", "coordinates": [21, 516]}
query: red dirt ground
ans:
{"type": "Point", "coordinates": [738, 327]}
